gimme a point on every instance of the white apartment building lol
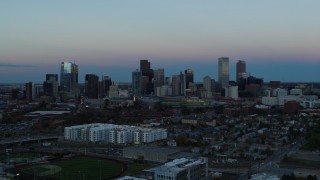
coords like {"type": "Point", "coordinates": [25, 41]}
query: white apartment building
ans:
{"type": "Point", "coordinates": [116, 134]}
{"type": "Point", "coordinates": [281, 100]}
{"type": "Point", "coordinates": [79, 132]}
{"type": "Point", "coordinates": [279, 92]}
{"type": "Point", "coordinates": [296, 92]}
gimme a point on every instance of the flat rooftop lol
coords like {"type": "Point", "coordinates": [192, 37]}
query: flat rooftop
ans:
{"type": "Point", "coordinates": [43, 113]}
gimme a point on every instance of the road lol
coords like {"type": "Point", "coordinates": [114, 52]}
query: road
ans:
{"type": "Point", "coordinates": [270, 165]}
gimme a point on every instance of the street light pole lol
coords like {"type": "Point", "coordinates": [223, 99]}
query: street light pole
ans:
{"type": "Point", "coordinates": [100, 168]}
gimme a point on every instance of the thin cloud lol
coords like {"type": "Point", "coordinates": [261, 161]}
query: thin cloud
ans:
{"type": "Point", "coordinates": [16, 65]}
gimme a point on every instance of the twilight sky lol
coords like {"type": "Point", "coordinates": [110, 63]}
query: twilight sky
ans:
{"type": "Point", "coordinates": [279, 40]}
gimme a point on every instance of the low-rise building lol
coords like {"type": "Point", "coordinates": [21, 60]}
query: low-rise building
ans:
{"type": "Point", "coordinates": [149, 153]}
{"type": "Point", "coordinates": [183, 168]}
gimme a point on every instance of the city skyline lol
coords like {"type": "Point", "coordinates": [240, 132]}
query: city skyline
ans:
{"type": "Point", "coordinates": [278, 40]}
{"type": "Point", "coordinates": [283, 72]}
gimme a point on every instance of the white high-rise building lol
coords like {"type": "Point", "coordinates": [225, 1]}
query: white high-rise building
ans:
{"type": "Point", "coordinates": [231, 91]}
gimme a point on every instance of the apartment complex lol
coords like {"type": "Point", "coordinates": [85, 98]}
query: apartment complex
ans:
{"type": "Point", "coordinates": [116, 134]}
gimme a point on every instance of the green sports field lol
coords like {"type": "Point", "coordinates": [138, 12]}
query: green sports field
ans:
{"type": "Point", "coordinates": [76, 168]}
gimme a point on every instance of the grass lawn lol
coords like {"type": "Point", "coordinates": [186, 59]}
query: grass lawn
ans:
{"type": "Point", "coordinates": [81, 168]}
{"type": "Point", "coordinates": [37, 169]}
{"type": "Point", "coordinates": [20, 156]}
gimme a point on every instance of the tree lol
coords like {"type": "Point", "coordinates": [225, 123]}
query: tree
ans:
{"type": "Point", "coordinates": [309, 177]}
{"type": "Point", "coordinates": [185, 111]}
{"type": "Point", "coordinates": [192, 127]}
{"type": "Point", "coordinates": [285, 158]}
{"type": "Point", "coordinates": [219, 109]}
{"type": "Point", "coordinates": [182, 140]}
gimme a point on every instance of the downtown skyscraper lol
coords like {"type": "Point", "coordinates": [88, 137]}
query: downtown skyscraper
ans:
{"type": "Point", "coordinates": [158, 77]}
{"type": "Point", "coordinates": [223, 71]}
{"type": "Point", "coordinates": [241, 68]}
{"type": "Point", "coordinates": [69, 78]}
{"type": "Point", "coordinates": [188, 74]}
{"type": "Point", "coordinates": [91, 86]}
{"type": "Point", "coordinates": [136, 83]}
{"type": "Point", "coordinates": [147, 74]}
{"type": "Point", "coordinates": [50, 86]}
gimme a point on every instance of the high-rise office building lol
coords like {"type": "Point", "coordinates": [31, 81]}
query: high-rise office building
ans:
{"type": "Point", "coordinates": [106, 83]}
{"type": "Point", "coordinates": [176, 85]}
{"type": "Point", "coordinates": [241, 68]}
{"type": "Point", "coordinates": [213, 85]}
{"type": "Point", "coordinates": [28, 92]}
{"type": "Point", "coordinates": [231, 91]}
{"type": "Point", "coordinates": [144, 65]}
{"type": "Point", "coordinates": [91, 86]}
{"type": "Point", "coordinates": [145, 69]}
{"type": "Point", "coordinates": [158, 77]}
{"type": "Point", "coordinates": [223, 71]}
{"type": "Point", "coordinates": [50, 86]}
{"type": "Point", "coordinates": [101, 91]}
{"type": "Point", "coordinates": [207, 88]}
{"type": "Point", "coordinates": [182, 84]}
{"type": "Point", "coordinates": [37, 90]}
{"type": "Point", "coordinates": [52, 77]}
{"type": "Point", "coordinates": [69, 78]}
{"type": "Point", "coordinates": [136, 83]}
{"type": "Point", "coordinates": [188, 74]}
{"type": "Point", "coordinates": [207, 83]}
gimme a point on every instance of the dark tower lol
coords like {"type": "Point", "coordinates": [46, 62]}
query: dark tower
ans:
{"type": "Point", "coordinates": [241, 68]}
{"type": "Point", "coordinates": [91, 86]}
{"type": "Point", "coordinates": [149, 74]}
{"type": "Point", "coordinates": [28, 91]}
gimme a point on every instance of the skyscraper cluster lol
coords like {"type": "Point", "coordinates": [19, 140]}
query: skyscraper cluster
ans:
{"type": "Point", "coordinates": [147, 81]}
{"type": "Point", "coordinates": [152, 82]}
{"type": "Point", "coordinates": [69, 78]}
{"type": "Point", "coordinates": [69, 83]}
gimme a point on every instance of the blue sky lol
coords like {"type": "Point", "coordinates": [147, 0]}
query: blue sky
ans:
{"type": "Point", "coordinates": [278, 39]}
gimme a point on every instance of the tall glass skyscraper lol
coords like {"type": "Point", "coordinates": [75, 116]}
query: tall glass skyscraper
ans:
{"type": "Point", "coordinates": [223, 70]}
{"type": "Point", "coordinates": [69, 78]}
{"type": "Point", "coordinates": [136, 83]}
